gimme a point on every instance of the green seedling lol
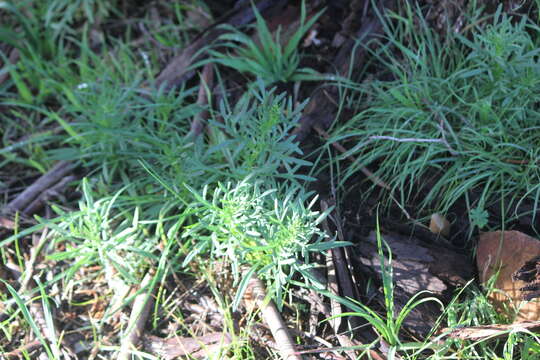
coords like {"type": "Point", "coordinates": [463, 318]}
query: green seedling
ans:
{"type": "Point", "coordinates": [259, 225]}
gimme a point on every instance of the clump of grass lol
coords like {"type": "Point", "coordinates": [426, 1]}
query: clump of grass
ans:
{"type": "Point", "coordinates": [458, 119]}
{"type": "Point", "coordinates": [267, 57]}
{"type": "Point", "coordinates": [388, 325]}
{"type": "Point", "coordinates": [246, 200]}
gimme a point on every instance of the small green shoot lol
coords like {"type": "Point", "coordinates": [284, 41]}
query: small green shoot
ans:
{"type": "Point", "coordinates": [388, 326]}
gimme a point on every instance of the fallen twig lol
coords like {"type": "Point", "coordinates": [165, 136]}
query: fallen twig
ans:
{"type": "Point", "coordinates": [20, 352]}
{"type": "Point", "coordinates": [35, 307]}
{"type": "Point", "coordinates": [61, 169]}
{"type": "Point", "coordinates": [383, 137]}
{"type": "Point", "coordinates": [199, 120]}
{"type": "Point", "coordinates": [339, 262]}
{"type": "Point", "coordinates": [137, 320]}
{"type": "Point", "coordinates": [45, 196]}
{"type": "Point", "coordinates": [475, 333]}
{"type": "Point", "coordinates": [255, 298]}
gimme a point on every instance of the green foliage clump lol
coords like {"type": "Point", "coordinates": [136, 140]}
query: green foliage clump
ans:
{"type": "Point", "coordinates": [460, 115]}
{"type": "Point", "coordinates": [244, 194]}
{"type": "Point", "coordinates": [258, 227]}
{"type": "Point", "coordinates": [254, 138]}
{"type": "Point", "coordinates": [266, 58]}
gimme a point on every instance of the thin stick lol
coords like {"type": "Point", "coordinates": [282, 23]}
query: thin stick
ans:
{"type": "Point", "coordinates": [61, 169]}
{"type": "Point", "coordinates": [35, 307]}
{"type": "Point", "coordinates": [255, 297]}
{"type": "Point", "coordinates": [137, 319]}
{"type": "Point", "coordinates": [48, 194]}
{"type": "Point", "coordinates": [338, 258]}
{"type": "Point", "coordinates": [21, 351]}
{"type": "Point", "coordinates": [371, 176]}
{"type": "Point", "coordinates": [332, 285]}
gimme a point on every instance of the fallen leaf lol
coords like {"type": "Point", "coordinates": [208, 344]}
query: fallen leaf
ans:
{"type": "Point", "coordinates": [439, 225]}
{"type": "Point", "coordinates": [530, 273]}
{"type": "Point", "coordinates": [506, 252]}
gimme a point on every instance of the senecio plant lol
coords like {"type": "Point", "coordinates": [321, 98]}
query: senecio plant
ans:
{"type": "Point", "coordinates": [254, 212]}
{"type": "Point", "coordinates": [246, 200]}
{"type": "Point", "coordinates": [261, 228]}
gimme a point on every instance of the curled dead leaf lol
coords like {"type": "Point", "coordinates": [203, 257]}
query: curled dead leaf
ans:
{"type": "Point", "coordinates": [507, 252]}
{"type": "Point", "coordinates": [439, 225]}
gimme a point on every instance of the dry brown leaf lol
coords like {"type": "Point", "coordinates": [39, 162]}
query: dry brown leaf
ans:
{"type": "Point", "coordinates": [439, 225]}
{"type": "Point", "coordinates": [508, 251]}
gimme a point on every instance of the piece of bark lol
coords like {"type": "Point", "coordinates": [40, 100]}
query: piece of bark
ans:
{"type": "Point", "coordinates": [417, 267]}
{"type": "Point", "coordinates": [206, 346]}
{"type": "Point", "coordinates": [506, 252]}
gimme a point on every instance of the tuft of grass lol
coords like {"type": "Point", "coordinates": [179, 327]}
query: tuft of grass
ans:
{"type": "Point", "coordinates": [457, 122]}
{"type": "Point", "coordinates": [388, 326]}
{"type": "Point", "coordinates": [267, 57]}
